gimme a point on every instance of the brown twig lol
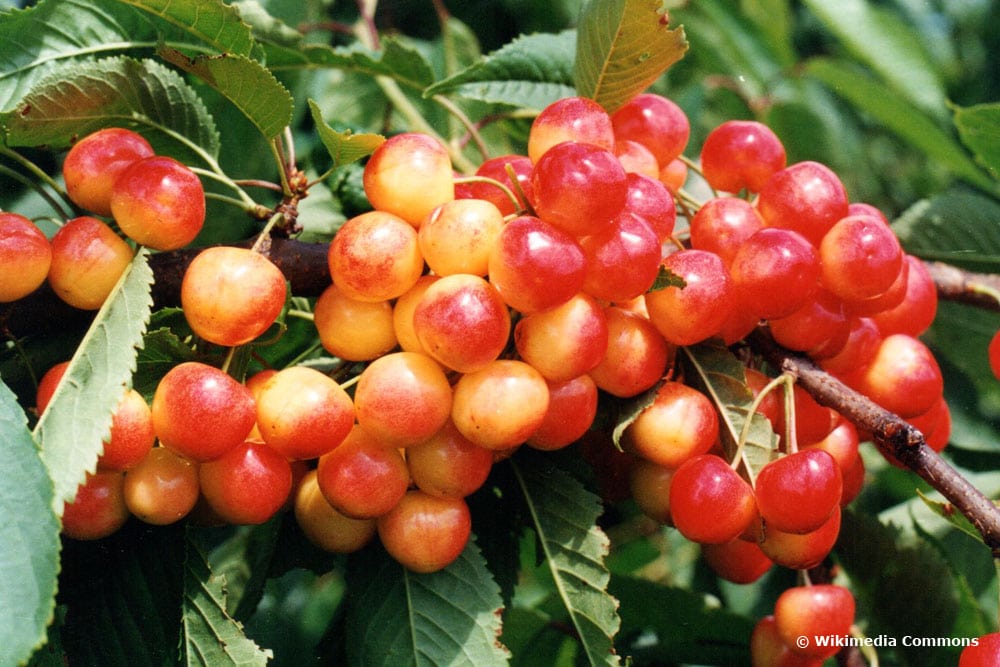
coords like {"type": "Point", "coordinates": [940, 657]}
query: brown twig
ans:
{"type": "Point", "coordinates": [891, 434]}
{"type": "Point", "coordinates": [976, 289]}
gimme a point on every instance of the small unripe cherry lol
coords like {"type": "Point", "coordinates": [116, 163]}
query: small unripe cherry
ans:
{"type": "Point", "coordinates": [230, 296]}
{"type": "Point", "coordinates": [649, 486]}
{"type": "Point", "coordinates": [95, 161]}
{"type": "Point", "coordinates": [409, 176]}
{"type": "Point", "coordinates": [25, 257]}
{"type": "Point", "coordinates": [88, 259]}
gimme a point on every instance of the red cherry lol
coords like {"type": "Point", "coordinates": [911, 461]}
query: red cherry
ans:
{"type": "Point", "coordinates": [798, 493]}
{"type": "Point", "coordinates": [709, 502]}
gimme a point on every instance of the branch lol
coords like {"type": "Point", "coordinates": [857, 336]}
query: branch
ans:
{"type": "Point", "coordinates": [891, 434]}
{"type": "Point", "coordinates": [976, 289]}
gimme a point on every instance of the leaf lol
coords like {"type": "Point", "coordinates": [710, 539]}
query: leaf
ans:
{"type": "Point", "coordinates": [212, 21]}
{"type": "Point", "coordinates": [405, 65]}
{"type": "Point", "coordinates": [979, 128]}
{"type": "Point", "coordinates": [948, 512]}
{"type": "Point", "coordinates": [35, 41]}
{"type": "Point", "coordinates": [79, 98]}
{"type": "Point", "coordinates": [708, 635]}
{"type": "Point", "coordinates": [397, 617]}
{"type": "Point", "coordinates": [344, 147]}
{"type": "Point", "coordinates": [29, 538]}
{"type": "Point", "coordinates": [955, 227]}
{"type": "Point", "coordinates": [78, 418]}
{"type": "Point", "coordinates": [875, 99]}
{"type": "Point", "coordinates": [244, 561]}
{"type": "Point", "coordinates": [622, 47]}
{"type": "Point", "coordinates": [630, 410]}
{"type": "Point", "coordinates": [713, 369]}
{"type": "Point", "coordinates": [531, 71]}
{"type": "Point", "coordinates": [564, 516]}
{"type": "Point", "coordinates": [667, 278]}
{"type": "Point", "coordinates": [244, 82]}
{"type": "Point", "coordinates": [881, 40]}
{"type": "Point", "coordinates": [209, 635]}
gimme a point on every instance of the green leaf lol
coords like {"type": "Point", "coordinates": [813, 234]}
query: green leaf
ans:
{"type": "Point", "coordinates": [209, 635]}
{"type": "Point", "coordinates": [404, 64]}
{"type": "Point", "coordinates": [956, 227]}
{"type": "Point", "coordinates": [532, 71]}
{"type": "Point", "coordinates": [243, 561]}
{"type": "Point", "coordinates": [29, 538]}
{"type": "Point", "coordinates": [398, 617]}
{"type": "Point", "coordinates": [564, 517]}
{"type": "Point", "coordinates": [875, 99]}
{"type": "Point", "coordinates": [622, 47]}
{"type": "Point", "coordinates": [948, 512]}
{"type": "Point", "coordinates": [78, 418]}
{"type": "Point", "coordinates": [889, 46]}
{"type": "Point", "coordinates": [244, 82]}
{"type": "Point", "coordinates": [712, 368]}
{"type": "Point", "coordinates": [162, 349]}
{"type": "Point", "coordinates": [344, 147]}
{"type": "Point", "coordinates": [212, 21]}
{"type": "Point", "coordinates": [79, 98]}
{"type": "Point", "coordinates": [630, 410]}
{"type": "Point", "coordinates": [667, 278]}
{"type": "Point", "coordinates": [708, 634]}
{"type": "Point", "coordinates": [35, 41]}
{"type": "Point", "coordinates": [979, 128]}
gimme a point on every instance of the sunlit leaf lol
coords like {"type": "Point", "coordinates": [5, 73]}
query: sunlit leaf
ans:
{"type": "Point", "coordinates": [531, 71]}
{"type": "Point", "coordinates": [622, 47]}
{"type": "Point", "coordinates": [29, 537]}
{"type": "Point", "coordinates": [343, 147]}
{"type": "Point", "coordinates": [244, 82]}
{"type": "Point", "coordinates": [400, 617]}
{"type": "Point", "coordinates": [77, 99]}
{"type": "Point", "coordinates": [78, 418]}
{"type": "Point", "coordinates": [564, 515]}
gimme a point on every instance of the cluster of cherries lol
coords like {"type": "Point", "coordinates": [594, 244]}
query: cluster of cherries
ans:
{"type": "Point", "coordinates": [491, 311]}
{"type": "Point", "coordinates": [114, 173]}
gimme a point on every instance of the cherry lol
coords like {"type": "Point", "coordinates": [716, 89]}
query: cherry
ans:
{"type": "Point", "coordinates": [95, 161]}
{"type": "Point", "coordinates": [402, 314]}
{"type": "Point", "coordinates": [679, 424]}
{"type": "Point", "coordinates": [25, 257]}
{"type": "Point", "coordinates": [458, 235]}
{"type": "Point", "coordinates": [535, 265]}
{"type": "Point", "coordinates": [636, 158]}
{"type": "Point", "coordinates": [162, 488]}
{"type": "Point", "coordinates": [571, 412]}
{"type": "Point", "coordinates": [47, 385]}
{"type": "Point", "coordinates": [801, 551]}
{"type": "Point", "coordinates": [860, 258]}
{"type": "Point", "coordinates": [88, 259]}
{"type": "Point", "coordinates": [579, 119]}
{"type": "Point", "coordinates": [622, 260]}
{"type": "Point", "coordinates": [841, 443]}
{"type": "Point", "coordinates": [375, 256]}
{"type": "Point", "coordinates": [637, 355]}
{"type": "Point", "coordinates": [806, 197]}
{"type": "Point", "coordinates": [915, 313]}
{"type": "Point", "coordinates": [501, 405]}
{"type": "Point", "coordinates": [985, 652]}
{"type": "Point", "coordinates": [993, 354]}
{"type": "Point", "coordinates": [709, 502]}
{"type": "Point", "coordinates": [656, 122]}
{"type": "Point", "coordinates": [354, 330]}
{"type": "Point", "coordinates": [674, 175]}
{"type": "Point", "coordinates": [98, 508]}
{"type": "Point", "coordinates": [722, 224]}
{"type": "Point", "coordinates": [462, 322]}
{"type": "Point", "coordinates": [426, 533]}
{"type": "Point", "coordinates": [564, 341]}
{"type": "Point", "coordinates": [649, 487]}
{"type": "Point", "coordinates": [818, 326]}
{"type": "Point", "coordinates": [903, 376]}
{"type": "Point", "coordinates": [741, 154]}
{"type": "Point", "coordinates": [649, 199]}
{"type": "Point", "coordinates": [797, 493]}
{"type": "Point", "coordinates": [738, 561]}
{"type": "Point", "coordinates": [690, 314]}
{"type": "Point", "coordinates": [403, 398]}
{"type": "Point", "coordinates": [324, 526]}
{"type": "Point", "coordinates": [302, 413]}
{"type": "Point", "coordinates": [579, 187]}
{"type": "Point", "coordinates": [132, 435]}
{"type": "Point", "coordinates": [230, 296]}
{"type": "Point", "coordinates": [248, 484]}
{"type": "Point", "coordinates": [200, 412]}
{"type": "Point", "coordinates": [158, 202]}
{"type": "Point", "coordinates": [768, 649]}
{"type": "Point", "coordinates": [821, 610]}
{"type": "Point", "coordinates": [408, 176]}
{"type": "Point", "coordinates": [364, 477]}
{"type": "Point", "coordinates": [449, 464]}
{"type": "Point", "coordinates": [776, 272]}
{"type": "Point", "coordinates": [496, 169]}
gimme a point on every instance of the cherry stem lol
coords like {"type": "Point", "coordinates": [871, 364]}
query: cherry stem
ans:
{"type": "Point", "coordinates": [495, 183]}
{"type": "Point", "coordinates": [783, 380]}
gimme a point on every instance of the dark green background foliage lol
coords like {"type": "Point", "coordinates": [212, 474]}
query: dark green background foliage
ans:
{"type": "Point", "coordinates": [898, 97]}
